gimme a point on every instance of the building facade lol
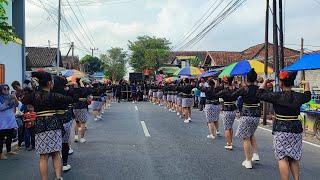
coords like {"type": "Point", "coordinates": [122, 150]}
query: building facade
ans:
{"type": "Point", "coordinates": [12, 55]}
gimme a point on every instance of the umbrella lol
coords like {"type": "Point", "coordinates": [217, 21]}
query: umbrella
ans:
{"type": "Point", "coordinates": [73, 72]}
{"type": "Point", "coordinates": [171, 79]}
{"type": "Point", "coordinates": [209, 74]}
{"type": "Point", "coordinates": [189, 71]}
{"type": "Point", "coordinates": [243, 67]}
{"type": "Point", "coordinates": [306, 62]}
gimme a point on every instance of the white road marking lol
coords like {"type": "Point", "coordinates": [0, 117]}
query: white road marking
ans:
{"type": "Point", "coordinates": [307, 142]}
{"type": "Point", "coordinates": [145, 129]}
{"type": "Point", "coordinates": [136, 107]}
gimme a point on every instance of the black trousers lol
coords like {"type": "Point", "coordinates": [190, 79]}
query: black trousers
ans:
{"type": "Point", "coordinates": [8, 134]}
{"type": "Point", "coordinates": [21, 135]}
{"type": "Point", "coordinates": [65, 153]}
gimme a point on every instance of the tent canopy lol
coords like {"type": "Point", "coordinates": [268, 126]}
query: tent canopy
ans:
{"type": "Point", "coordinates": [306, 62]}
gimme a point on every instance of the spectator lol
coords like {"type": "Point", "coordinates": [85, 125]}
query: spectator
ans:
{"type": "Point", "coordinates": [29, 118]}
{"type": "Point", "coordinates": [7, 119]}
{"type": "Point", "coordinates": [133, 89]}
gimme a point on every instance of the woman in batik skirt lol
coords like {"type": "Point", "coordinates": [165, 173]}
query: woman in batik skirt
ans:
{"type": "Point", "coordinates": [80, 110]}
{"type": "Point", "coordinates": [228, 113]}
{"type": "Point", "coordinates": [48, 127]}
{"type": "Point", "coordinates": [165, 94]}
{"type": "Point", "coordinates": [287, 128]}
{"type": "Point", "coordinates": [187, 100]}
{"type": "Point", "coordinates": [249, 120]}
{"type": "Point", "coordinates": [212, 108]}
{"type": "Point", "coordinates": [64, 114]}
{"type": "Point", "coordinates": [97, 101]}
{"type": "Point", "coordinates": [179, 100]}
{"type": "Point", "coordinates": [159, 95]}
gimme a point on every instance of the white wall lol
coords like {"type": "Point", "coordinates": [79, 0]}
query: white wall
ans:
{"type": "Point", "coordinates": [11, 57]}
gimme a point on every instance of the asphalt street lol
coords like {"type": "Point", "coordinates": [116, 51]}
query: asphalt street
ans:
{"type": "Point", "coordinates": [145, 141]}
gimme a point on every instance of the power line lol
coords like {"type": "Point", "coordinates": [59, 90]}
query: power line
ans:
{"type": "Point", "coordinates": [199, 22]}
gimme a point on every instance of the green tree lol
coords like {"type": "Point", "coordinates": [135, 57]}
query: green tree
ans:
{"type": "Point", "coordinates": [6, 31]}
{"type": "Point", "coordinates": [114, 63]}
{"type": "Point", "coordinates": [148, 53]}
{"type": "Point", "coordinates": [195, 62]}
{"type": "Point", "coordinates": [91, 64]}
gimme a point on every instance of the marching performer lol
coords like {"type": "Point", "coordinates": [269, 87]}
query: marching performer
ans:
{"type": "Point", "coordinates": [250, 117]}
{"type": "Point", "coordinates": [228, 113]}
{"type": "Point", "coordinates": [287, 128]}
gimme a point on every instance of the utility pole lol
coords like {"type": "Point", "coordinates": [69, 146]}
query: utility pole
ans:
{"type": "Point", "coordinates": [93, 49]}
{"type": "Point", "coordinates": [275, 45]}
{"type": "Point", "coordinates": [281, 52]}
{"type": "Point", "coordinates": [58, 48]}
{"type": "Point", "coordinates": [303, 76]}
{"type": "Point", "coordinates": [72, 49]}
{"type": "Point", "coordinates": [266, 57]}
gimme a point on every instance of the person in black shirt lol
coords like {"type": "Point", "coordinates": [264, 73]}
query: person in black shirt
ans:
{"type": "Point", "coordinates": [187, 100]}
{"type": "Point", "coordinates": [179, 99]}
{"type": "Point", "coordinates": [287, 128]}
{"type": "Point", "coordinates": [212, 107]}
{"type": "Point", "coordinates": [250, 116]}
{"type": "Point", "coordinates": [228, 113]}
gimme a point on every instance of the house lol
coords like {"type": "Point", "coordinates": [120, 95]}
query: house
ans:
{"type": "Point", "coordinates": [12, 55]}
{"type": "Point", "coordinates": [223, 58]}
{"type": "Point", "coordinates": [41, 57]}
{"type": "Point", "coordinates": [70, 62]}
{"type": "Point", "coordinates": [183, 58]}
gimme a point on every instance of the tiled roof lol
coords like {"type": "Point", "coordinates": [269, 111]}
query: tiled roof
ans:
{"type": "Point", "coordinates": [223, 58]}
{"type": "Point", "coordinates": [38, 57]}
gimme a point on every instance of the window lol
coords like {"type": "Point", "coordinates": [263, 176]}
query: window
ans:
{"type": "Point", "coordinates": [2, 74]}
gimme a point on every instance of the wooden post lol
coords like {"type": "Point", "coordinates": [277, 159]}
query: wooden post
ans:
{"type": "Point", "coordinates": [281, 50]}
{"type": "Point", "coordinates": [303, 75]}
{"type": "Point", "coordinates": [275, 45]}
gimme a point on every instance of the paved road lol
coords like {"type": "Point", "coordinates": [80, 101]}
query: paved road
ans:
{"type": "Point", "coordinates": [117, 148]}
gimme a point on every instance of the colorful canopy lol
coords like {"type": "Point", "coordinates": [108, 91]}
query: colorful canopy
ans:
{"type": "Point", "coordinates": [307, 62]}
{"type": "Point", "coordinates": [209, 74]}
{"type": "Point", "coordinates": [171, 79]}
{"type": "Point", "coordinates": [73, 72]}
{"type": "Point", "coordinates": [243, 67]}
{"type": "Point", "coordinates": [189, 71]}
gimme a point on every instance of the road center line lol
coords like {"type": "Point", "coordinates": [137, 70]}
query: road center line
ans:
{"type": "Point", "coordinates": [136, 107]}
{"type": "Point", "coordinates": [145, 129]}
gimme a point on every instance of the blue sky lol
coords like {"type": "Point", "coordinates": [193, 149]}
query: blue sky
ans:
{"type": "Point", "coordinates": [112, 25]}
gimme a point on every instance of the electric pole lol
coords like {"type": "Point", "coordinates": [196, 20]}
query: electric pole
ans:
{"type": "Point", "coordinates": [303, 75]}
{"type": "Point", "coordinates": [58, 48]}
{"type": "Point", "coordinates": [72, 49]}
{"type": "Point", "coordinates": [281, 50]}
{"type": "Point", "coordinates": [93, 49]}
{"type": "Point", "coordinates": [275, 45]}
{"type": "Point", "coordinates": [266, 57]}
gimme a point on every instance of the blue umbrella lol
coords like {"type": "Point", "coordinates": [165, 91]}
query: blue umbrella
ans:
{"type": "Point", "coordinates": [209, 74]}
{"type": "Point", "coordinates": [307, 62]}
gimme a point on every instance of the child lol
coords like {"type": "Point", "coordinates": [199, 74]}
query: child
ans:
{"type": "Point", "coordinates": [29, 117]}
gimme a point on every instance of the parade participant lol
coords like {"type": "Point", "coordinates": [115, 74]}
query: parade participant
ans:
{"type": "Point", "coordinates": [48, 127]}
{"type": "Point", "coordinates": [170, 96]}
{"type": "Point", "coordinates": [287, 128]}
{"type": "Point", "coordinates": [80, 110]}
{"type": "Point", "coordinates": [212, 107]}
{"type": "Point", "coordinates": [165, 94]}
{"type": "Point", "coordinates": [187, 100]}
{"type": "Point", "coordinates": [8, 121]}
{"type": "Point", "coordinates": [174, 97]}
{"type": "Point", "coordinates": [202, 86]}
{"type": "Point", "coordinates": [97, 100]}
{"type": "Point", "coordinates": [133, 90]}
{"type": "Point", "coordinates": [109, 92]}
{"type": "Point", "coordinates": [159, 95]}
{"type": "Point", "coordinates": [228, 113]}
{"type": "Point", "coordinates": [179, 99]}
{"type": "Point", "coordinates": [154, 94]}
{"type": "Point", "coordinates": [119, 91]}
{"type": "Point", "coordinates": [64, 113]}
{"type": "Point", "coordinates": [249, 121]}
